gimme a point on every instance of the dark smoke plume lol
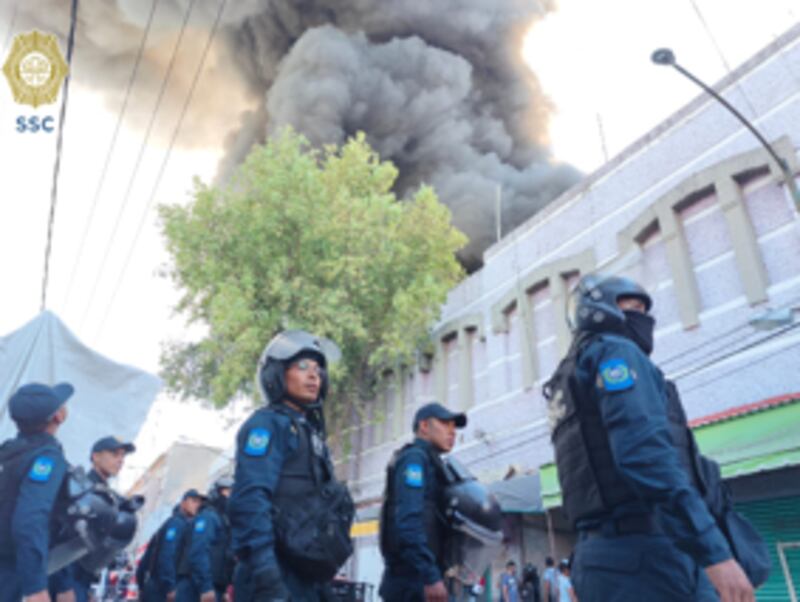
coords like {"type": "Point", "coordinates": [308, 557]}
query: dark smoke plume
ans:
{"type": "Point", "coordinates": [439, 87]}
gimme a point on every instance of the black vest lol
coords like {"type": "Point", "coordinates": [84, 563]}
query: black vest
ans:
{"type": "Point", "coordinates": [591, 486]}
{"type": "Point", "coordinates": [308, 465]}
{"type": "Point", "coordinates": [312, 511]}
{"type": "Point", "coordinates": [16, 456]}
{"type": "Point", "coordinates": [435, 522]}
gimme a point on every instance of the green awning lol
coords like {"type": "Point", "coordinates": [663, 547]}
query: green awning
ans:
{"type": "Point", "coordinates": [764, 439]}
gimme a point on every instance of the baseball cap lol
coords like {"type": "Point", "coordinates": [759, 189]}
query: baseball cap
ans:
{"type": "Point", "coordinates": [33, 404]}
{"type": "Point", "coordinates": [111, 443]}
{"type": "Point", "coordinates": [437, 410]}
{"type": "Point", "coordinates": [193, 493]}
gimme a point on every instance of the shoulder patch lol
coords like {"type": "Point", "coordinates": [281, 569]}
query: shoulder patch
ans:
{"type": "Point", "coordinates": [615, 375]}
{"type": "Point", "coordinates": [413, 475]}
{"type": "Point", "coordinates": [41, 470]}
{"type": "Point", "coordinates": [200, 525]}
{"type": "Point", "coordinates": [257, 442]}
{"type": "Point", "coordinates": [170, 534]}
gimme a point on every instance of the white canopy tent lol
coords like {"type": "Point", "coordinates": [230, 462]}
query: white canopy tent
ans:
{"type": "Point", "coordinates": [109, 399]}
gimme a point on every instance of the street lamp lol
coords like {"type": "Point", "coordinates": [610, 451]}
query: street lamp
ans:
{"type": "Point", "coordinates": [665, 57]}
{"type": "Point", "coordinates": [770, 319]}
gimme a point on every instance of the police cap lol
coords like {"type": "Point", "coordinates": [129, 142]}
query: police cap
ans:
{"type": "Point", "coordinates": [437, 410]}
{"type": "Point", "coordinates": [193, 493]}
{"type": "Point", "coordinates": [33, 404]}
{"type": "Point", "coordinates": [111, 443]}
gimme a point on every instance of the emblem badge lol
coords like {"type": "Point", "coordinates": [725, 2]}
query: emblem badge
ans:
{"type": "Point", "coordinates": [35, 68]}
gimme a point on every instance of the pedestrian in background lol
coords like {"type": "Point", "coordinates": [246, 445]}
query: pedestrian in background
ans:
{"type": "Point", "coordinates": [566, 593]}
{"type": "Point", "coordinates": [509, 584]}
{"type": "Point", "coordinates": [550, 581]}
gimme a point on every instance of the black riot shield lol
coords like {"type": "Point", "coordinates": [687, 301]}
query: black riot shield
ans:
{"type": "Point", "coordinates": [92, 526]}
{"type": "Point", "coordinates": [475, 522]}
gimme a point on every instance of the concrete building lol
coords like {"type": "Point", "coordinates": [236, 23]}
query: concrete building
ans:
{"type": "Point", "coordinates": [699, 213]}
{"type": "Point", "coordinates": [183, 466]}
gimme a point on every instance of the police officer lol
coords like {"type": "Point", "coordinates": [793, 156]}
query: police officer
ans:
{"type": "Point", "coordinates": [32, 472]}
{"type": "Point", "coordinates": [413, 529]}
{"type": "Point", "coordinates": [107, 458]}
{"type": "Point", "coordinates": [281, 457]}
{"type": "Point", "coordinates": [203, 563]}
{"type": "Point", "coordinates": [156, 573]}
{"type": "Point", "coordinates": [645, 532]}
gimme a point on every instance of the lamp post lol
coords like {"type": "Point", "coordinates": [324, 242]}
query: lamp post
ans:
{"type": "Point", "coordinates": [665, 57]}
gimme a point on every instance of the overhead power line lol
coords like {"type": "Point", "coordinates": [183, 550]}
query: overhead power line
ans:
{"type": "Point", "coordinates": [137, 163]}
{"type": "Point", "coordinates": [163, 166]}
{"type": "Point", "coordinates": [109, 153]}
{"type": "Point", "coordinates": [59, 142]}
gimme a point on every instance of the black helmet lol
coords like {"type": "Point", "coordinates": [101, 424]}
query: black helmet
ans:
{"type": "Point", "coordinates": [595, 299]}
{"type": "Point", "coordinates": [215, 496]}
{"type": "Point", "coordinates": [224, 482]}
{"type": "Point", "coordinates": [280, 352]}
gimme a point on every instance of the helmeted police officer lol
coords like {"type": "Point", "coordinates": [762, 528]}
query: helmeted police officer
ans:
{"type": "Point", "coordinates": [107, 458]}
{"type": "Point", "coordinates": [625, 472]}
{"type": "Point", "coordinates": [413, 524]}
{"type": "Point", "coordinates": [32, 472]}
{"type": "Point", "coordinates": [284, 481]}
{"type": "Point", "coordinates": [204, 560]}
{"type": "Point", "coordinates": [156, 573]}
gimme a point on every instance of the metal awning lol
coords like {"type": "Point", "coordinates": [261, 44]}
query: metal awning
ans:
{"type": "Point", "coordinates": [519, 495]}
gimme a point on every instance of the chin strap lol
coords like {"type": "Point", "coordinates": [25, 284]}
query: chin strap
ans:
{"type": "Point", "coordinates": [312, 411]}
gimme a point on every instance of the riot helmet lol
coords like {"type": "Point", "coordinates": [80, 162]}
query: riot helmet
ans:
{"type": "Point", "coordinates": [594, 303]}
{"type": "Point", "coordinates": [215, 496]}
{"type": "Point", "coordinates": [281, 351]}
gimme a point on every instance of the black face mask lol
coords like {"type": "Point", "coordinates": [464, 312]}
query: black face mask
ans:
{"type": "Point", "coordinates": [639, 328]}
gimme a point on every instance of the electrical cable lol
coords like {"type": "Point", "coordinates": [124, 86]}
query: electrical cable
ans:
{"type": "Point", "coordinates": [138, 161]}
{"type": "Point", "coordinates": [109, 154]}
{"type": "Point", "coordinates": [59, 142]}
{"type": "Point", "coordinates": [162, 168]}
{"type": "Point", "coordinates": [733, 354]}
{"type": "Point", "coordinates": [743, 327]}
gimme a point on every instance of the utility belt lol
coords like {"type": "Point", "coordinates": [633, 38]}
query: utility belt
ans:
{"type": "Point", "coordinates": [636, 524]}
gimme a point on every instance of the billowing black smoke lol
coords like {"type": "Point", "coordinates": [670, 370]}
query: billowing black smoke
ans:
{"type": "Point", "coordinates": [439, 87]}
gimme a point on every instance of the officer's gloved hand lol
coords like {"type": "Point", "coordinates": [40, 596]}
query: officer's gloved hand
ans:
{"type": "Point", "coordinates": [268, 585]}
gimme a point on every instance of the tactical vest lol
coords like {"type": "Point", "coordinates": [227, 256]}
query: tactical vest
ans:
{"type": "Point", "coordinates": [433, 515]}
{"type": "Point", "coordinates": [682, 436]}
{"type": "Point", "coordinates": [15, 455]}
{"type": "Point", "coordinates": [312, 511]}
{"type": "Point", "coordinates": [308, 465]}
{"type": "Point", "coordinates": [590, 484]}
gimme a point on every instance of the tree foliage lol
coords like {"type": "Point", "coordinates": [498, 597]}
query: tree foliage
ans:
{"type": "Point", "coordinates": [312, 239]}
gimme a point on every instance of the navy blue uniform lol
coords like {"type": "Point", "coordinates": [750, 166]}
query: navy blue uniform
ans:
{"type": "Point", "coordinates": [263, 445]}
{"type": "Point", "coordinates": [665, 560]}
{"type": "Point", "coordinates": [26, 510]}
{"type": "Point", "coordinates": [207, 537]}
{"type": "Point", "coordinates": [163, 579]}
{"type": "Point", "coordinates": [410, 557]}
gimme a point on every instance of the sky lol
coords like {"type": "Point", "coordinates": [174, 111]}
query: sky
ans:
{"type": "Point", "coordinates": [592, 59]}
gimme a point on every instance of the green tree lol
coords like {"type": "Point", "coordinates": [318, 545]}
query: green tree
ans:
{"type": "Point", "coordinates": [312, 239]}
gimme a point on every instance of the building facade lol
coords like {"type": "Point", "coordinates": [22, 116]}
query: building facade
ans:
{"type": "Point", "coordinates": [701, 215]}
